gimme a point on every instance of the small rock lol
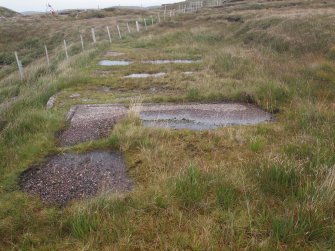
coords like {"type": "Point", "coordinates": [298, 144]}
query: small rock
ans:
{"type": "Point", "coordinates": [75, 95]}
{"type": "Point", "coordinates": [51, 102]}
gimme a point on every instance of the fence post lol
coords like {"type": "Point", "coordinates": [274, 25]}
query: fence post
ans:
{"type": "Point", "coordinates": [109, 34]}
{"type": "Point", "coordinates": [152, 20]}
{"type": "Point", "coordinates": [65, 48]}
{"type": "Point", "coordinates": [19, 65]}
{"type": "Point", "coordinates": [118, 29]}
{"type": "Point", "coordinates": [165, 13]}
{"type": "Point", "coordinates": [93, 36]}
{"type": "Point", "coordinates": [159, 17]}
{"type": "Point", "coordinates": [145, 24]}
{"type": "Point", "coordinates": [128, 28]}
{"type": "Point", "coordinates": [137, 26]}
{"type": "Point", "coordinates": [82, 42]}
{"type": "Point", "coordinates": [47, 54]}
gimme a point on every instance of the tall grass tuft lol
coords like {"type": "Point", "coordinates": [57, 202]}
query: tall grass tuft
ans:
{"type": "Point", "coordinates": [279, 180]}
{"type": "Point", "coordinates": [226, 196]}
{"type": "Point", "coordinates": [190, 189]}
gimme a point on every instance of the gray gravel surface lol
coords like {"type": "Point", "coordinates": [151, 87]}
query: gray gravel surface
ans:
{"type": "Point", "coordinates": [90, 122]}
{"type": "Point", "coordinates": [202, 116]}
{"type": "Point", "coordinates": [68, 177]}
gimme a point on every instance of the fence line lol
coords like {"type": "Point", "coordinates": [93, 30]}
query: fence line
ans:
{"type": "Point", "coordinates": [180, 8]}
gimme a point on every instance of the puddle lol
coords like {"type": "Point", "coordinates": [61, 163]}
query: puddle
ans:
{"type": "Point", "coordinates": [202, 116]}
{"type": "Point", "coordinates": [113, 54]}
{"type": "Point", "coordinates": [90, 122]}
{"type": "Point", "coordinates": [146, 75]}
{"type": "Point", "coordinates": [113, 63]}
{"type": "Point", "coordinates": [70, 176]}
{"type": "Point", "coordinates": [178, 61]}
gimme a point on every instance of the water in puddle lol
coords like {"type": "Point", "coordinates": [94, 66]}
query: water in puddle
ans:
{"type": "Point", "coordinates": [146, 75]}
{"type": "Point", "coordinates": [202, 116]}
{"type": "Point", "coordinates": [114, 63]}
{"type": "Point", "coordinates": [178, 61]}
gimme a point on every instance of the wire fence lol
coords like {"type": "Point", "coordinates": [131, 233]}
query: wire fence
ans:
{"type": "Point", "coordinates": [89, 37]}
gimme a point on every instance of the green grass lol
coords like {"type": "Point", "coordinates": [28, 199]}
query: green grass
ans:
{"type": "Point", "coordinates": [191, 189]}
{"type": "Point", "coordinates": [7, 12]}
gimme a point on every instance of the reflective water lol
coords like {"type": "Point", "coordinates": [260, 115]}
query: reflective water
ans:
{"type": "Point", "coordinates": [146, 75]}
{"type": "Point", "coordinates": [178, 61]}
{"type": "Point", "coordinates": [202, 116]}
{"type": "Point", "coordinates": [113, 63]}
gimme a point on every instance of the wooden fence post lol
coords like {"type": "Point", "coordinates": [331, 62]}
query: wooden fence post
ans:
{"type": "Point", "coordinates": [145, 24]}
{"type": "Point", "coordinates": [19, 65]}
{"type": "Point", "coordinates": [137, 26]}
{"type": "Point", "coordinates": [65, 48]}
{"type": "Point", "coordinates": [93, 36]}
{"type": "Point", "coordinates": [118, 29]}
{"type": "Point", "coordinates": [109, 34]}
{"type": "Point", "coordinates": [165, 13]}
{"type": "Point", "coordinates": [128, 28]}
{"type": "Point", "coordinates": [47, 54]}
{"type": "Point", "coordinates": [82, 42]}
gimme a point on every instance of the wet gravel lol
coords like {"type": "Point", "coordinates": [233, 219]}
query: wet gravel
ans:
{"type": "Point", "coordinates": [202, 116]}
{"type": "Point", "coordinates": [68, 177]}
{"type": "Point", "coordinates": [146, 75]}
{"type": "Point", "coordinates": [90, 122]}
{"type": "Point", "coordinates": [114, 63]}
{"type": "Point", "coordinates": [168, 61]}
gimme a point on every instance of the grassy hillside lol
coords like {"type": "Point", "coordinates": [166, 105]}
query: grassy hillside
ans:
{"type": "Point", "coordinates": [28, 35]}
{"type": "Point", "coordinates": [4, 12]}
{"type": "Point", "coordinates": [264, 187]}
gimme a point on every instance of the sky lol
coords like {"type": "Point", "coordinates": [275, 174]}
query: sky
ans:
{"type": "Point", "coordinates": [40, 5]}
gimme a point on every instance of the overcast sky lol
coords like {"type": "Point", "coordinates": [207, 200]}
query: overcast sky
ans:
{"type": "Point", "coordinates": [40, 5]}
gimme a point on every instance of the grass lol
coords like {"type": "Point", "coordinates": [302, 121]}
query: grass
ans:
{"type": "Point", "coordinates": [263, 187]}
{"type": "Point", "coordinates": [191, 189]}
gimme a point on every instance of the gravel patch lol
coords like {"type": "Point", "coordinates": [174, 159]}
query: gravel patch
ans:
{"type": "Point", "coordinates": [202, 116]}
{"type": "Point", "coordinates": [168, 61]}
{"type": "Point", "coordinates": [146, 75]}
{"type": "Point", "coordinates": [68, 177]}
{"type": "Point", "coordinates": [90, 122]}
